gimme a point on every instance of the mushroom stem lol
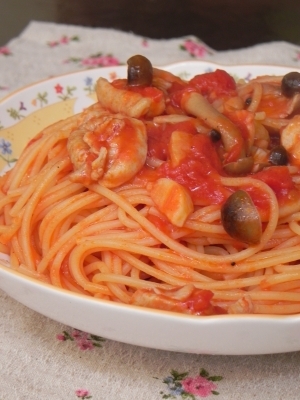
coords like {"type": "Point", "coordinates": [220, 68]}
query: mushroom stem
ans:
{"type": "Point", "coordinates": [195, 104]}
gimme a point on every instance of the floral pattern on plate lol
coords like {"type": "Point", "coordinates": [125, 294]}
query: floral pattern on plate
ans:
{"type": "Point", "coordinates": [79, 85]}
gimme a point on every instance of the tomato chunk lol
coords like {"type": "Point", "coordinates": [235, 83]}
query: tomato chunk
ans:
{"type": "Point", "coordinates": [219, 82]}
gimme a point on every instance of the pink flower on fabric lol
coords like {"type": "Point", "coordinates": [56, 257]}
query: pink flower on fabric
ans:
{"type": "Point", "coordinates": [181, 385]}
{"type": "Point", "coordinates": [5, 51]}
{"type": "Point", "coordinates": [103, 61]}
{"type": "Point", "coordinates": [198, 386]}
{"type": "Point", "coordinates": [85, 344]}
{"type": "Point", "coordinates": [83, 394]}
{"type": "Point", "coordinates": [195, 49]}
{"type": "Point", "coordinates": [90, 61]}
{"type": "Point", "coordinates": [84, 340]}
{"type": "Point", "coordinates": [64, 40]}
{"type": "Point", "coordinates": [76, 334]}
{"type": "Point", "coordinates": [53, 44]}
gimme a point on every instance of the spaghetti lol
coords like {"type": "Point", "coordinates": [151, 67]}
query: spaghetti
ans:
{"type": "Point", "coordinates": [165, 193]}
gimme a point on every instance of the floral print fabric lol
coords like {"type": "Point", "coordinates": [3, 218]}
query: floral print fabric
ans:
{"type": "Point", "coordinates": [185, 386]}
{"type": "Point", "coordinates": [68, 49]}
{"type": "Point", "coordinates": [179, 385]}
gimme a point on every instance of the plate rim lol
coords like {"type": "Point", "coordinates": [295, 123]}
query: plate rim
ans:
{"type": "Point", "coordinates": [123, 66]}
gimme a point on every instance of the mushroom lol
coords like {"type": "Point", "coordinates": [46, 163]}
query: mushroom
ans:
{"type": "Point", "coordinates": [290, 84]}
{"type": "Point", "coordinates": [241, 219]}
{"type": "Point", "coordinates": [278, 156]}
{"type": "Point", "coordinates": [241, 167]}
{"type": "Point", "coordinates": [196, 104]}
{"type": "Point", "coordinates": [139, 71]}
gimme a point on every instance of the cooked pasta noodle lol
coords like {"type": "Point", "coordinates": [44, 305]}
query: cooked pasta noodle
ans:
{"type": "Point", "coordinates": [165, 193]}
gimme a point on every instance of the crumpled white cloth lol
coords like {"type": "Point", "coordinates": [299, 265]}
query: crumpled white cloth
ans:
{"type": "Point", "coordinates": [47, 49]}
{"type": "Point", "coordinates": [41, 359]}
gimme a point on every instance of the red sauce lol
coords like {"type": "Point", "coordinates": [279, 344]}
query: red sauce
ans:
{"type": "Point", "coordinates": [211, 85]}
{"type": "Point", "coordinates": [162, 224]}
{"type": "Point", "coordinates": [159, 137]}
{"type": "Point", "coordinates": [199, 172]}
{"type": "Point", "coordinates": [214, 84]}
{"type": "Point", "coordinates": [197, 303]}
{"type": "Point", "coordinates": [279, 180]}
{"type": "Point", "coordinates": [113, 131]}
{"type": "Point", "coordinates": [200, 303]}
{"type": "Point", "coordinates": [146, 91]}
{"type": "Point", "coordinates": [243, 119]}
{"type": "Point", "coordinates": [201, 169]}
{"type": "Point", "coordinates": [274, 106]}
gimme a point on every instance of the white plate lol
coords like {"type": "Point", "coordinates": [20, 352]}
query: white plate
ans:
{"type": "Point", "coordinates": [41, 104]}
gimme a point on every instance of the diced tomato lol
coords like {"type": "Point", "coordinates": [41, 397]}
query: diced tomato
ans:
{"type": "Point", "coordinates": [176, 87]}
{"type": "Point", "coordinates": [176, 91]}
{"type": "Point", "coordinates": [219, 82]}
{"type": "Point", "coordinates": [278, 178]}
{"type": "Point", "coordinates": [261, 201]}
{"type": "Point", "coordinates": [280, 181]}
{"type": "Point", "coordinates": [205, 187]}
{"type": "Point", "coordinates": [199, 172]}
{"type": "Point", "coordinates": [159, 137]}
{"type": "Point", "coordinates": [197, 303]}
{"type": "Point", "coordinates": [199, 300]}
{"type": "Point", "coordinates": [211, 84]}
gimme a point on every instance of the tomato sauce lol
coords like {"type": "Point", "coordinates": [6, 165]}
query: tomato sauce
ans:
{"type": "Point", "coordinates": [200, 170]}
{"type": "Point", "coordinates": [214, 84]}
{"type": "Point", "coordinates": [243, 119]}
{"type": "Point", "coordinates": [146, 91]}
{"type": "Point", "coordinates": [278, 178]}
{"type": "Point", "coordinates": [274, 106]}
{"type": "Point", "coordinates": [162, 224]}
{"type": "Point", "coordinates": [199, 303]}
{"type": "Point", "coordinates": [159, 137]}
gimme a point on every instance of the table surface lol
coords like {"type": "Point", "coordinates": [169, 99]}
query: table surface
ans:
{"type": "Point", "coordinates": [222, 25]}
